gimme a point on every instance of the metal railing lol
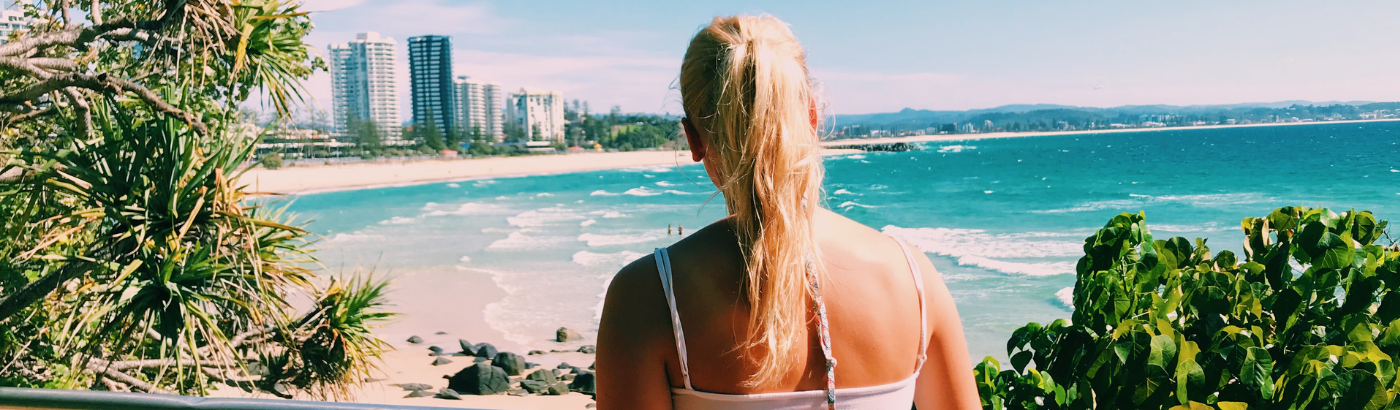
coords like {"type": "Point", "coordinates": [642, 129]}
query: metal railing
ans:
{"type": "Point", "coordinates": [22, 398]}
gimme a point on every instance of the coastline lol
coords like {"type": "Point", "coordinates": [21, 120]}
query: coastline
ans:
{"type": "Point", "coordinates": [847, 142]}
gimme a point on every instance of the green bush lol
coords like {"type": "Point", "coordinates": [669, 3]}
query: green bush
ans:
{"type": "Point", "coordinates": [1307, 318]}
{"type": "Point", "coordinates": [271, 160]}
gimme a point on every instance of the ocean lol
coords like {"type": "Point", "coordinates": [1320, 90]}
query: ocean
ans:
{"type": "Point", "coordinates": [1002, 219]}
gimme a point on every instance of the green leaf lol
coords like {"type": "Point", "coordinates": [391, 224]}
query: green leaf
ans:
{"type": "Point", "coordinates": [1256, 372]}
{"type": "Point", "coordinates": [1232, 405]}
{"type": "Point", "coordinates": [1019, 360]}
{"type": "Point", "coordinates": [1163, 351]}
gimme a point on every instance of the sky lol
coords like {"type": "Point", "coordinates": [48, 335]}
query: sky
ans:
{"type": "Point", "coordinates": [884, 56]}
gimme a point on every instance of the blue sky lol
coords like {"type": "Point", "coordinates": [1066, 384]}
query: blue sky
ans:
{"type": "Point", "coordinates": [944, 55]}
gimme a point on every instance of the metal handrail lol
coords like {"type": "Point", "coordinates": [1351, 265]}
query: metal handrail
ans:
{"type": "Point", "coordinates": [23, 398]}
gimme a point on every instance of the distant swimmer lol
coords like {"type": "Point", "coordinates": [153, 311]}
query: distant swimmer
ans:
{"type": "Point", "coordinates": [668, 230]}
{"type": "Point", "coordinates": [680, 231]}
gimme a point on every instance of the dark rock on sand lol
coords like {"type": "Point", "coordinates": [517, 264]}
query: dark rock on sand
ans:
{"type": "Point", "coordinates": [563, 365]}
{"type": "Point", "coordinates": [591, 366]}
{"type": "Point", "coordinates": [557, 389]}
{"type": "Point", "coordinates": [555, 372]}
{"type": "Point", "coordinates": [529, 365]}
{"type": "Point", "coordinates": [545, 376]}
{"type": "Point", "coordinates": [441, 361]}
{"type": "Point", "coordinates": [585, 382]}
{"type": "Point", "coordinates": [565, 334]}
{"type": "Point", "coordinates": [440, 333]}
{"type": "Point", "coordinates": [419, 393]}
{"type": "Point", "coordinates": [486, 350]}
{"type": "Point", "coordinates": [415, 386]}
{"type": "Point", "coordinates": [518, 392]}
{"type": "Point", "coordinates": [590, 349]}
{"type": "Point", "coordinates": [535, 353]}
{"type": "Point", "coordinates": [568, 377]}
{"type": "Point", "coordinates": [449, 394]}
{"type": "Point", "coordinates": [468, 349]}
{"type": "Point", "coordinates": [512, 363]}
{"type": "Point", "coordinates": [415, 339]}
{"type": "Point", "coordinates": [479, 359]}
{"type": "Point", "coordinates": [479, 379]}
{"type": "Point", "coordinates": [533, 386]}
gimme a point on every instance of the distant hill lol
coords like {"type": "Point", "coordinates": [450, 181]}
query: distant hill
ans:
{"type": "Point", "coordinates": [910, 118]}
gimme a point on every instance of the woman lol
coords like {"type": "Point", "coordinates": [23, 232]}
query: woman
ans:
{"type": "Point", "coordinates": [782, 304]}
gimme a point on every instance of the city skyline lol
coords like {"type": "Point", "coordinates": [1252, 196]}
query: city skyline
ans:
{"type": "Point", "coordinates": [887, 56]}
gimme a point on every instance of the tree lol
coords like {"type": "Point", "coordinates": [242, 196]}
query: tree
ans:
{"type": "Point", "coordinates": [368, 139]}
{"type": "Point", "coordinates": [536, 134]}
{"type": "Point", "coordinates": [130, 256]}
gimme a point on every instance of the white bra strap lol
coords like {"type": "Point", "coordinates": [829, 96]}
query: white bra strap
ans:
{"type": "Point", "coordinates": [663, 265]}
{"type": "Point", "coordinates": [923, 308]}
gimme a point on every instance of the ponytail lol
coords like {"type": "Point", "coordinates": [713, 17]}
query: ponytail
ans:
{"type": "Point", "coordinates": [744, 83]}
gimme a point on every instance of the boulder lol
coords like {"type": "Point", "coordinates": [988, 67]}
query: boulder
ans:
{"type": "Point", "coordinates": [585, 382]}
{"type": "Point", "coordinates": [415, 386]}
{"type": "Point", "coordinates": [568, 377]}
{"type": "Point", "coordinates": [440, 333]}
{"type": "Point", "coordinates": [555, 372]}
{"type": "Point", "coordinates": [535, 353]}
{"type": "Point", "coordinates": [479, 359]}
{"type": "Point", "coordinates": [436, 350]}
{"type": "Point", "coordinates": [557, 389]}
{"type": "Point", "coordinates": [479, 379]}
{"type": "Point", "coordinates": [563, 365]}
{"type": "Point", "coordinates": [419, 393]}
{"type": "Point", "coordinates": [533, 386]}
{"type": "Point", "coordinates": [529, 365]}
{"type": "Point", "coordinates": [512, 363]}
{"type": "Point", "coordinates": [415, 339]}
{"type": "Point", "coordinates": [590, 349]}
{"type": "Point", "coordinates": [468, 349]}
{"type": "Point", "coordinates": [518, 392]}
{"type": "Point", "coordinates": [590, 406]}
{"type": "Point", "coordinates": [591, 366]}
{"type": "Point", "coordinates": [486, 350]}
{"type": "Point", "coordinates": [441, 361]}
{"type": "Point", "coordinates": [545, 376]}
{"type": "Point", "coordinates": [449, 394]}
{"type": "Point", "coordinates": [565, 334]}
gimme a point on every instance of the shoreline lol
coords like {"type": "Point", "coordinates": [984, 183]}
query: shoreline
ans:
{"type": "Point", "coordinates": [847, 142]}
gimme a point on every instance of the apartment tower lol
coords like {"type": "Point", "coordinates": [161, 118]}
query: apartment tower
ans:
{"type": "Point", "coordinates": [479, 108]}
{"type": "Point", "coordinates": [539, 113]}
{"type": "Point", "coordinates": [430, 81]}
{"type": "Point", "coordinates": [362, 85]}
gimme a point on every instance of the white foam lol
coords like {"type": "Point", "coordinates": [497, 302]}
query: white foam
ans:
{"type": "Point", "coordinates": [1066, 296]}
{"type": "Point", "coordinates": [429, 206]}
{"type": "Point", "coordinates": [355, 237]}
{"type": "Point", "coordinates": [614, 214]}
{"type": "Point", "coordinates": [1138, 200]}
{"type": "Point", "coordinates": [595, 240]}
{"type": "Point", "coordinates": [1019, 268]}
{"type": "Point", "coordinates": [843, 191]}
{"type": "Point", "coordinates": [955, 148]}
{"type": "Point", "coordinates": [975, 247]}
{"type": "Point", "coordinates": [453, 186]}
{"type": "Point", "coordinates": [469, 208]}
{"type": "Point", "coordinates": [602, 193]}
{"type": "Point", "coordinates": [543, 217]}
{"type": "Point", "coordinates": [588, 222]}
{"type": "Point", "coordinates": [987, 191]}
{"type": "Point", "coordinates": [519, 241]}
{"type": "Point", "coordinates": [855, 156]}
{"type": "Point", "coordinates": [465, 258]}
{"type": "Point", "coordinates": [484, 182]}
{"type": "Point", "coordinates": [646, 169]}
{"type": "Point", "coordinates": [664, 183]}
{"type": "Point", "coordinates": [605, 260]}
{"type": "Point", "coordinates": [849, 204]}
{"type": "Point", "coordinates": [675, 192]}
{"type": "Point", "coordinates": [641, 191]}
{"type": "Point", "coordinates": [543, 195]}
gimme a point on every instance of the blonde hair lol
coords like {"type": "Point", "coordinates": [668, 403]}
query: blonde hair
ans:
{"type": "Point", "coordinates": [744, 83]}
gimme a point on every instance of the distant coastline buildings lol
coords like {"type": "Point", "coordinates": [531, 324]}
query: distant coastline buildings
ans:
{"type": "Point", "coordinates": [434, 95]}
{"type": "Point", "coordinates": [539, 114]}
{"type": "Point", "coordinates": [363, 85]}
{"type": "Point", "coordinates": [479, 108]}
{"type": "Point", "coordinates": [12, 18]}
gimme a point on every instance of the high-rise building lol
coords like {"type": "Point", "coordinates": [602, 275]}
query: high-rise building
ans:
{"type": "Point", "coordinates": [362, 85]}
{"type": "Point", "coordinates": [540, 114]}
{"type": "Point", "coordinates": [12, 18]}
{"type": "Point", "coordinates": [430, 81]}
{"type": "Point", "coordinates": [479, 107]}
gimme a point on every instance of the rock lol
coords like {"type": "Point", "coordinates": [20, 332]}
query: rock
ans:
{"type": "Point", "coordinates": [555, 372]}
{"type": "Point", "coordinates": [563, 365]}
{"type": "Point", "coordinates": [419, 393]}
{"type": "Point", "coordinates": [512, 363]}
{"type": "Point", "coordinates": [529, 365]}
{"type": "Point", "coordinates": [534, 387]}
{"type": "Point", "coordinates": [415, 386]}
{"type": "Point", "coordinates": [441, 361]}
{"type": "Point", "coordinates": [590, 406]}
{"type": "Point", "coordinates": [258, 369]}
{"type": "Point", "coordinates": [535, 353]}
{"type": "Point", "coordinates": [589, 349]}
{"type": "Point", "coordinates": [567, 377]}
{"type": "Point", "coordinates": [468, 349]}
{"type": "Point", "coordinates": [557, 389]}
{"type": "Point", "coordinates": [449, 394]}
{"type": "Point", "coordinates": [565, 334]}
{"type": "Point", "coordinates": [415, 339]}
{"type": "Point", "coordinates": [584, 383]}
{"type": "Point", "coordinates": [486, 350]}
{"type": "Point", "coordinates": [545, 376]}
{"type": "Point", "coordinates": [575, 370]}
{"type": "Point", "coordinates": [479, 359]}
{"type": "Point", "coordinates": [440, 333]}
{"type": "Point", "coordinates": [281, 390]}
{"type": "Point", "coordinates": [518, 392]}
{"type": "Point", "coordinates": [437, 351]}
{"type": "Point", "coordinates": [479, 379]}
{"type": "Point", "coordinates": [591, 366]}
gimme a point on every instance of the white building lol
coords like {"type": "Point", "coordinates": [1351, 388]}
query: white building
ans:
{"type": "Point", "coordinates": [540, 114]}
{"type": "Point", "coordinates": [362, 85]}
{"type": "Point", "coordinates": [12, 18]}
{"type": "Point", "coordinates": [479, 107]}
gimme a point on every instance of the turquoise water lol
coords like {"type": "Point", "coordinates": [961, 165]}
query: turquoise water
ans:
{"type": "Point", "coordinates": [1002, 219]}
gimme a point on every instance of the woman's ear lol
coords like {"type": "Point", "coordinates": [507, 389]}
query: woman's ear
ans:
{"type": "Point", "coordinates": [692, 136]}
{"type": "Point", "coordinates": [816, 115]}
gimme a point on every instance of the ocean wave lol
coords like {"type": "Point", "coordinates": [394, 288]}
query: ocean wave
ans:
{"type": "Point", "coordinates": [519, 241]}
{"type": "Point", "coordinates": [588, 222]}
{"type": "Point", "coordinates": [453, 185]}
{"type": "Point", "coordinates": [955, 148]}
{"type": "Point", "coordinates": [483, 183]}
{"type": "Point", "coordinates": [843, 191]}
{"type": "Point", "coordinates": [975, 247]}
{"type": "Point", "coordinates": [605, 260]}
{"type": "Point", "coordinates": [398, 220]}
{"type": "Point", "coordinates": [543, 195]}
{"type": "Point", "coordinates": [544, 217]}
{"type": "Point", "coordinates": [850, 204]}
{"type": "Point", "coordinates": [1066, 296]}
{"type": "Point", "coordinates": [855, 156]}
{"type": "Point", "coordinates": [355, 237]}
{"type": "Point", "coordinates": [664, 183]}
{"type": "Point", "coordinates": [465, 259]}
{"type": "Point", "coordinates": [1138, 200]}
{"type": "Point", "coordinates": [602, 193]}
{"type": "Point", "coordinates": [675, 192]}
{"type": "Point", "coordinates": [646, 169]}
{"type": "Point", "coordinates": [610, 214]}
{"type": "Point", "coordinates": [641, 191]}
{"type": "Point", "coordinates": [595, 240]}
{"type": "Point", "coordinates": [469, 208]}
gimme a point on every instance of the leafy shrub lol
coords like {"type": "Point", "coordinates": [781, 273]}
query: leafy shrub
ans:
{"type": "Point", "coordinates": [1307, 318]}
{"type": "Point", "coordinates": [271, 160]}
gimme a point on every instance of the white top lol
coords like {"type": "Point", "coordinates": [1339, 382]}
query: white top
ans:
{"type": "Point", "coordinates": [897, 395]}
